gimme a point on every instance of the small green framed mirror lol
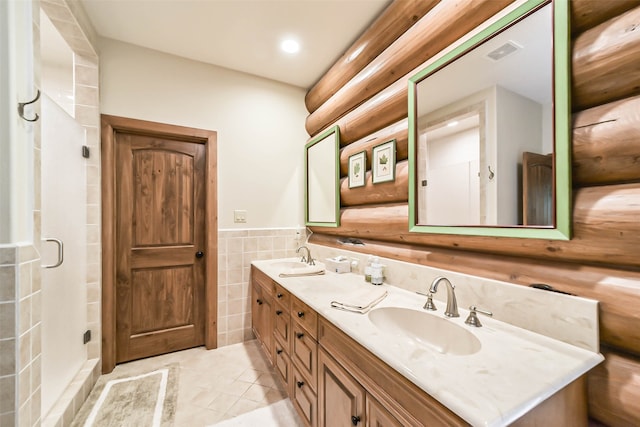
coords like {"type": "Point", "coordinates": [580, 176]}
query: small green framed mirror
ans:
{"type": "Point", "coordinates": [489, 131]}
{"type": "Point", "coordinates": [322, 186]}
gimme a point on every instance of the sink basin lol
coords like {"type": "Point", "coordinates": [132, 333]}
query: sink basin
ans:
{"type": "Point", "coordinates": [289, 264]}
{"type": "Point", "coordinates": [427, 329]}
{"type": "Point", "coordinates": [297, 268]}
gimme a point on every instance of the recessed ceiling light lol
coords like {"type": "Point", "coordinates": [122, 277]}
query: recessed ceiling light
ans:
{"type": "Point", "coordinates": [290, 46]}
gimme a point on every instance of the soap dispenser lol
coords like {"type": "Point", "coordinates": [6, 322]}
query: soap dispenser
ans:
{"type": "Point", "coordinates": [367, 269]}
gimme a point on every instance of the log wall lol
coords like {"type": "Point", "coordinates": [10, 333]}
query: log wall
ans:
{"type": "Point", "coordinates": [602, 261]}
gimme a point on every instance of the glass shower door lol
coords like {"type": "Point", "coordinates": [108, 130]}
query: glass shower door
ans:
{"type": "Point", "coordinates": [64, 293]}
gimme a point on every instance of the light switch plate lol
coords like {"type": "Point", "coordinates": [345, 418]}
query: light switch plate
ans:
{"type": "Point", "coordinates": [240, 216]}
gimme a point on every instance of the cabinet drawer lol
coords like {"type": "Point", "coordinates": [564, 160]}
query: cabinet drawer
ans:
{"type": "Point", "coordinates": [304, 315]}
{"type": "Point", "coordinates": [282, 327]}
{"type": "Point", "coordinates": [282, 364]}
{"type": "Point", "coordinates": [282, 297]}
{"type": "Point", "coordinates": [304, 354]}
{"type": "Point", "coordinates": [304, 398]}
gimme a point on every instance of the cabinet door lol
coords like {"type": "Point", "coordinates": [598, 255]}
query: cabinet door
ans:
{"type": "Point", "coordinates": [341, 399]}
{"type": "Point", "coordinates": [261, 319]}
{"type": "Point", "coordinates": [379, 416]}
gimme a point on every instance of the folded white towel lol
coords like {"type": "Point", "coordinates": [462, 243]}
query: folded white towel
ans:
{"type": "Point", "coordinates": [360, 301]}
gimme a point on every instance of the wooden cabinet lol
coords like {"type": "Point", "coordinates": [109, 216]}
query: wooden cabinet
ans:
{"type": "Point", "coordinates": [341, 399]}
{"type": "Point", "coordinates": [282, 334]}
{"type": "Point", "coordinates": [304, 358]}
{"type": "Point", "coordinates": [261, 310]}
{"type": "Point", "coordinates": [287, 329]}
{"type": "Point", "coordinates": [334, 381]}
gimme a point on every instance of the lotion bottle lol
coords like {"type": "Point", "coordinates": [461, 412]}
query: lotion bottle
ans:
{"type": "Point", "coordinates": [367, 269]}
{"type": "Point", "coordinates": [376, 272]}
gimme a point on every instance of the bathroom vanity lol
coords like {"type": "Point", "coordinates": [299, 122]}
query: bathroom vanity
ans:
{"type": "Point", "coordinates": [342, 368]}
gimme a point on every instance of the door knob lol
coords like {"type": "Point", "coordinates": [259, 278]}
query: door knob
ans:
{"type": "Point", "coordinates": [199, 254]}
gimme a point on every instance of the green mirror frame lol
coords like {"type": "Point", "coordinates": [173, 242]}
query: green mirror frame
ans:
{"type": "Point", "coordinates": [329, 171]}
{"type": "Point", "coordinates": [561, 230]}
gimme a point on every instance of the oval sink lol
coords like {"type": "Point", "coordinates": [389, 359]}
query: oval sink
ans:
{"type": "Point", "coordinates": [435, 332]}
{"type": "Point", "coordinates": [297, 268]}
{"type": "Point", "coordinates": [286, 265]}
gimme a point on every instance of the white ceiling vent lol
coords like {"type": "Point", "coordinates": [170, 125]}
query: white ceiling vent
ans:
{"type": "Point", "coordinates": [503, 51]}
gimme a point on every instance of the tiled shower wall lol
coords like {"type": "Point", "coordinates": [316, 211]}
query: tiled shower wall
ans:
{"type": "Point", "coordinates": [236, 250]}
{"type": "Point", "coordinates": [20, 282]}
{"type": "Point", "coordinates": [20, 329]}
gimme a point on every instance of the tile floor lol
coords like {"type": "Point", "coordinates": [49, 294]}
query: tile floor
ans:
{"type": "Point", "coordinates": [217, 384]}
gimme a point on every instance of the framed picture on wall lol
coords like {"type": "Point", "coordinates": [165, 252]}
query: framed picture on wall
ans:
{"type": "Point", "coordinates": [383, 162]}
{"type": "Point", "coordinates": [357, 169]}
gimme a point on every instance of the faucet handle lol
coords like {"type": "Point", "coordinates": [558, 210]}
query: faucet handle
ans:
{"type": "Point", "coordinates": [429, 305]}
{"type": "Point", "coordinates": [473, 318]}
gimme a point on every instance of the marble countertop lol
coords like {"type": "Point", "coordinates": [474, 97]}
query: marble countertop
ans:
{"type": "Point", "coordinates": [514, 371]}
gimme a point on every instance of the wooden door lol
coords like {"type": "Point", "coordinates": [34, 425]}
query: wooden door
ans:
{"type": "Point", "coordinates": [341, 399]}
{"type": "Point", "coordinates": [537, 189]}
{"type": "Point", "coordinates": [160, 244]}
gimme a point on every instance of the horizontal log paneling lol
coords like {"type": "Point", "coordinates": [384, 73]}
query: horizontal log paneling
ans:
{"type": "Point", "coordinates": [606, 64]}
{"type": "Point", "coordinates": [397, 131]}
{"type": "Point", "coordinates": [606, 229]}
{"type": "Point", "coordinates": [398, 17]}
{"type": "Point", "coordinates": [614, 390]}
{"type": "Point", "coordinates": [443, 25]}
{"type": "Point", "coordinates": [602, 261]}
{"type": "Point", "coordinates": [386, 192]}
{"type": "Point", "coordinates": [606, 143]}
{"type": "Point", "coordinates": [617, 290]}
{"type": "Point", "coordinates": [390, 105]}
{"type": "Point", "coordinates": [586, 14]}
{"type": "Point", "coordinates": [382, 110]}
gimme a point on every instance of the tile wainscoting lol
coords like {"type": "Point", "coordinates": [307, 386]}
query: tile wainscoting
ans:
{"type": "Point", "coordinates": [236, 249]}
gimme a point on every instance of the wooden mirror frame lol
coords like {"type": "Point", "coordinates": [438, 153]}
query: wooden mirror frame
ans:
{"type": "Point", "coordinates": [561, 230]}
{"type": "Point", "coordinates": [335, 130]}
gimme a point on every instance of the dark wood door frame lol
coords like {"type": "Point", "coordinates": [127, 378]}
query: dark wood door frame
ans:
{"type": "Point", "coordinates": [109, 126]}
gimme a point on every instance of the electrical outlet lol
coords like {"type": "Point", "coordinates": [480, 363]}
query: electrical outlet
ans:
{"type": "Point", "coordinates": [240, 216]}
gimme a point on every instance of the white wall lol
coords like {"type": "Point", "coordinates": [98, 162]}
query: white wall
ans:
{"type": "Point", "coordinates": [260, 125]}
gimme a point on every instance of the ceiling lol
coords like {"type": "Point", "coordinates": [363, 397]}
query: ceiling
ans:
{"type": "Point", "coordinates": [242, 35]}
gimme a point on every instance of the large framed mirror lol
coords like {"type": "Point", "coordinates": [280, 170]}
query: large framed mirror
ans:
{"type": "Point", "coordinates": [322, 186]}
{"type": "Point", "coordinates": [489, 131]}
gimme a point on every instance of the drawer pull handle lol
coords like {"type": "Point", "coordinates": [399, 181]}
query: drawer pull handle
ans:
{"type": "Point", "coordinates": [355, 420]}
{"type": "Point", "coordinates": [278, 312]}
{"type": "Point", "coordinates": [300, 384]}
{"type": "Point", "coordinates": [279, 296]}
{"type": "Point", "coordinates": [299, 335]}
{"type": "Point", "coordinates": [301, 314]}
{"type": "Point", "coordinates": [259, 301]}
{"type": "Point", "coordinates": [279, 351]}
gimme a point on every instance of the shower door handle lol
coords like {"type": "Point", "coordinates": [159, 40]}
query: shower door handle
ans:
{"type": "Point", "coordinates": [60, 252]}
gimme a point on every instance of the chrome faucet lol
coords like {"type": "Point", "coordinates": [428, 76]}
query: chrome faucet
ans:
{"type": "Point", "coordinates": [308, 259]}
{"type": "Point", "coordinates": [452, 304]}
